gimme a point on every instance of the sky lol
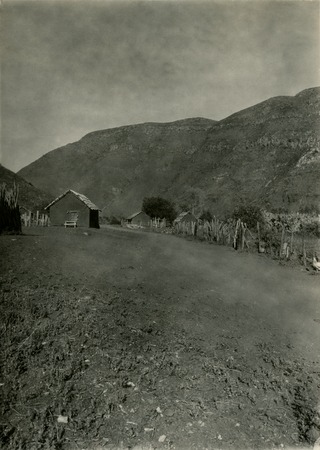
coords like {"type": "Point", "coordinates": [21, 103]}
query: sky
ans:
{"type": "Point", "coordinates": [71, 67]}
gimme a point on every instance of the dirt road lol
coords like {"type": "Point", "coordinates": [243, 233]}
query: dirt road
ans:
{"type": "Point", "coordinates": [226, 345]}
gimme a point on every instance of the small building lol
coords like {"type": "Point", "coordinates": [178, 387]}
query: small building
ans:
{"type": "Point", "coordinates": [139, 218]}
{"type": "Point", "coordinates": [73, 208]}
{"type": "Point", "coordinates": [185, 217]}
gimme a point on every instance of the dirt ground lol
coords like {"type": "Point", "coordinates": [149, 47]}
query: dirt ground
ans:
{"type": "Point", "coordinates": [118, 339]}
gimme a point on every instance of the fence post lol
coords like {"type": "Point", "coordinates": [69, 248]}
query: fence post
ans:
{"type": "Point", "coordinates": [281, 242]}
{"type": "Point", "coordinates": [304, 254]}
{"type": "Point", "coordinates": [242, 235]}
{"type": "Point", "coordinates": [291, 243]}
{"type": "Point", "coordinates": [216, 229]}
{"type": "Point", "coordinates": [259, 241]}
{"type": "Point", "coordinates": [235, 237]}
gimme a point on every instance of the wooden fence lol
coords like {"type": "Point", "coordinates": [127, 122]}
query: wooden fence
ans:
{"type": "Point", "coordinates": [155, 224]}
{"type": "Point", "coordinates": [29, 219]}
{"type": "Point", "coordinates": [158, 224]}
{"type": "Point", "coordinates": [232, 232]}
{"type": "Point", "coordinates": [10, 221]}
{"type": "Point", "coordinates": [282, 244]}
{"type": "Point", "coordinates": [287, 244]}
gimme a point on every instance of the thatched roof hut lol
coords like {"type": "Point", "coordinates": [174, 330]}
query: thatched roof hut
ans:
{"type": "Point", "coordinates": [73, 207]}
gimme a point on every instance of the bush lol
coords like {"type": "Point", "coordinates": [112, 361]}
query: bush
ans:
{"type": "Point", "coordinates": [294, 222]}
{"type": "Point", "coordinates": [157, 207]}
{"type": "Point", "coordinates": [206, 216]}
{"type": "Point", "coordinates": [271, 239]}
{"type": "Point", "coordinates": [309, 209]}
{"type": "Point", "coordinates": [311, 229]}
{"type": "Point", "coordinates": [10, 220]}
{"type": "Point", "coordinates": [114, 220]}
{"type": "Point", "coordinates": [249, 214]}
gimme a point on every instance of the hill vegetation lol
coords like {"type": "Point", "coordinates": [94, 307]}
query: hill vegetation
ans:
{"type": "Point", "coordinates": [29, 196]}
{"type": "Point", "coordinates": [10, 221]}
{"type": "Point", "coordinates": [157, 207]}
{"type": "Point", "coordinates": [267, 155]}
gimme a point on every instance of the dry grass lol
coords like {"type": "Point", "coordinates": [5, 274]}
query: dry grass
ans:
{"type": "Point", "coordinates": [69, 352]}
{"type": "Point", "coordinates": [125, 373]}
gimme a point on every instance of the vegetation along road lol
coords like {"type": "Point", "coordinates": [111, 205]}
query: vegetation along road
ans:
{"type": "Point", "coordinates": [115, 338]}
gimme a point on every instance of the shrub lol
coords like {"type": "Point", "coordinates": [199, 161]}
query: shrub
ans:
{"type": "Point", "coordinates": [10, 220]}
{"type": "Point", "coordinates": [271, 238]}
{"type": "Point", "coordinates": [159, 207]}
{"type": "Point", "coordinates": [114, 220]}
{"type": "Point", "coordinates": [206, 216]}
{"type": "Point", "coordinates": [294, 222]}
{"type": "Point", "coordinates": [309, 209]}
{"type": "Point", "coordinates": [249, 214]}
{"type": "Point", "coordinates": [312, 228]}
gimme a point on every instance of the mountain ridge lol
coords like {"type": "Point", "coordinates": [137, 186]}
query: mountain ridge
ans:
{"type": "Point", "coordinates": [267, 154]}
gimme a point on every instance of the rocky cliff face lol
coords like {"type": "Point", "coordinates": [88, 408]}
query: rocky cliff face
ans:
{"type": "Point", "coordinates": [268, 154]}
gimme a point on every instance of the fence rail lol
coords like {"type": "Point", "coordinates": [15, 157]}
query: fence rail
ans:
{"type": "Point", "coordinates": [29, 219]}
{"type": "Point", "coordinates": [233, 232]}
{"type": "Point", "coordinates": [278, 242]}
{"type": "Point", "coordinates": [274, 238]}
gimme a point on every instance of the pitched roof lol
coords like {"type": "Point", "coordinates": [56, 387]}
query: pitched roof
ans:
{"type": "Point", "coordinates": [182, 215]}
{"type": "Point", "coordinates": [136, 214]}
{"type": "Point", "coordinates": [81, 197]}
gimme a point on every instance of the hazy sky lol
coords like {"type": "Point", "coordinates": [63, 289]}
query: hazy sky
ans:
{"type": "Point", "coordinates": [72, 67]}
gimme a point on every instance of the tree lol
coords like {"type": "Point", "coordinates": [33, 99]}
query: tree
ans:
{"type": "Point", "coordinates": [159, 207]}
{"type": "Point", "coordinates": [193, 200]}
{"type": "Point", "coordinates": [206, 216]}
{"type": "Point", "coordinates": [249, 214]}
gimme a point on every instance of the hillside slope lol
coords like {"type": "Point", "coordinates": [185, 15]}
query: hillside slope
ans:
{"type": "Point", "coordinates": [268, 154]}
{"type": "Point", "coordinates": [117, 167]}
{"type": "Point", "coordinates": [29, 197]}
